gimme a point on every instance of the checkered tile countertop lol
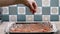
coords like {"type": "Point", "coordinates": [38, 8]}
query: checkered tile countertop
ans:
{"type": "Point", "coordinates": [48, 10]}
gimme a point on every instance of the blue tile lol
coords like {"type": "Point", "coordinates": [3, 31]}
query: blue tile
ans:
{"type": "Point", "coordinates": [37, 17]}
{"type": "Point", "coordinates": [39, 2]}
{"type": "Point", "coordinates": [54, 3]}
{"type": "Point", "coordinates": [46, 10]}
{"type": "Point", "coordinates": [21, 18]}
{"type": "Point", "coordinates": [1, 9]}
{"type": "Point", "coordinates": [12, 10]}
{"type": "Point", "coordinates": [54, 18]}
{"type": "Point", "coordinates": [5, 18]}
{"type": "Point", "coordinates": [28, 11]}
{"type": "Point", "coordinates": [59, 10]}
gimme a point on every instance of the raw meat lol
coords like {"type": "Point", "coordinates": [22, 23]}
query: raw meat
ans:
{"type": "Point", "coordinates": [30, 28]}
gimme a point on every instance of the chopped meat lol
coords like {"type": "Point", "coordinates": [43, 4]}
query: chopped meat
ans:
{"type": "Point", "coordinates": [30, 28]}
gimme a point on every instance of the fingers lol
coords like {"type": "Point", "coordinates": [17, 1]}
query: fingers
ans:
{"type": "Point", "coordinates": [34, 5]}
{"type": "Point", "coordinates": [31, 8]}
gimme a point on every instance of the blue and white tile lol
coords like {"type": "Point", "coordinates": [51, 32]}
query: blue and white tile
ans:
{"type": "Point", "coordinates": [5, 17]}
{"type": "Point", "coordinates": [59, 10]}
{"type": "Point", "coordinates": [54, 17]}
{"type": "Point", "coordinates": [46, 3]}
{"type": "Point", "coordinates": [1, 9]}
{"type": "Point", "coordinates": [21, 10]}
{"type": "Point", "coordinates": [21, 17]}
{"type": "Point", "coordinates": [39, 11]}
{"type": "Point", "coordinates": [29, 17]}
{"type": "Point", "coordinates": [48, 10]}
{"type": "Point", "coordinates": [45, 10]}
{"type": "Point", "coordinates": [12, 10]}
{"type": "Point", "coordinates": [54, 3]}
{"type": "Point", "coordinates": [13, 18]}
{"type": "Point", "coordinates": [54, 10]}
{"type": "Point", "coordinates": [59, 2]}
{"type": "Point", "coordinates": [39, 3]}
{"type": "Point", "coordinates": [59, 17]}
{"type": "Point", "coordinates": [28, 12]}
{"type": "Point", "coordinates": [12, 5]}
{"type": "Point", "coordinates": [46, 18]}
{"type": "Point", "coordinates": [37, 17]}
{"type": "Point", "coordinates": [21, 5]}
{"type": "Point", "coordinates": [5, 10]}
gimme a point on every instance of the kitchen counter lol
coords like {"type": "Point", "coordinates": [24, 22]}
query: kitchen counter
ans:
{"type": "Point", "coordinates": [4, 24]}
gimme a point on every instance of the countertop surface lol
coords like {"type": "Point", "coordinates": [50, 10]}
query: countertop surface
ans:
{"type": "Point", "coordinates": [5, 24]}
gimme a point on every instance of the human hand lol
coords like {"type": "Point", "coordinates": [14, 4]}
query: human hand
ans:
{"type": "Point", "coordinates": [31, 4]}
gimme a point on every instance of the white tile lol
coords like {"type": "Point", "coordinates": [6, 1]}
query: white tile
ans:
{"type": "Point", "coordinates": [39, 11]}
{"type": "Point", "coordinates": [13, 18]}
{"type": "Point", "coordinates": [29, 17]}
{"type": "Point", "coordinates": [5, 10]}
{"type": "Point", "coordinates": [54, 10]}
{"type": "Point", "coordinates": [12, 5]}
{"type": "Point", "coordinates": [46, 17]}
{"type": "Point", "coordinates": [45, 3]}
{"type": "Point", "coordinates": [21, 10]}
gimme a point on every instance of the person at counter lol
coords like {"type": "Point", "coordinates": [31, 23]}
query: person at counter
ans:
{"type": "Point", "coordinates": [29, 3]}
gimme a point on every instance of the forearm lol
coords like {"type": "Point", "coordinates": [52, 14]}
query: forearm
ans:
{"type": "Point", "coordinates": [8, 2]}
